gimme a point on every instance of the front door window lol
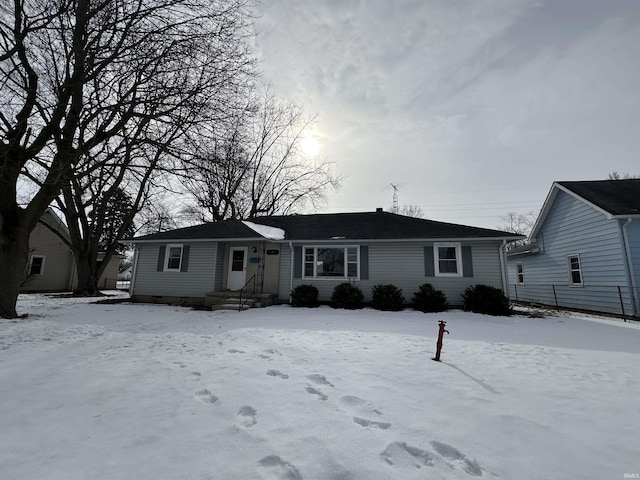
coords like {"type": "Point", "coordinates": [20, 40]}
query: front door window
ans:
{"type": "Point", "coordinates": [237, 271]}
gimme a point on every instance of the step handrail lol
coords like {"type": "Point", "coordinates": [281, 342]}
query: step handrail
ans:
{"type": "Point", "coordinates": [240, 302]}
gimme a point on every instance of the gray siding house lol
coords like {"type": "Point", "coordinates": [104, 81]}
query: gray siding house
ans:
{"type": "Point", "coordinates": [273, 255]}
{"type": "Point", "coordinates": [584, 249]}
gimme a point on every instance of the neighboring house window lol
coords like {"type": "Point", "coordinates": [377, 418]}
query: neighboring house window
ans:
{"type": "Point", "coordinates": [174, 257]}
{"type": "Point", "coordinates": [575, 272]}
{"type": "Point", "coordinates": [331, 262]}
{"type": "Point", "coordinates": [520, 273]}
{"type": "Point", "coordinates": [36, 265]}
{"type": "Point", "coordinates": [448, 259]}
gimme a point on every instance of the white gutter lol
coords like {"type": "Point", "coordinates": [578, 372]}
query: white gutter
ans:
{"type": "Point", "coordinates": [345, 240]}
{"type": "Point", "coordinates": [291, 273]}
{"type": "Point", "coordinates": [503, 252]}
{"type": "Point", "coordinates": [632, 274]}
{"type": "Point", "coordinates": [134, 271]}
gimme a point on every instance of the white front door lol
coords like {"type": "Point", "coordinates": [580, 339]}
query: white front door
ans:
{"type": "Point", "coordinates": [237, 268]}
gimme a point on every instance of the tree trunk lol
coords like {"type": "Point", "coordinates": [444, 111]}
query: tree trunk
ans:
{"type": "Point", "coordinates": [87, 275]}
{"type": "Point", "coordinates": [14, 255]}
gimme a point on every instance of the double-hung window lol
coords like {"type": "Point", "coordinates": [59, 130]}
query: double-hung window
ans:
{"type": "Point", "coordinates": [520, 273]}
{"type": "Point", "coordinates": [448, 260]}
{"type": "Point", "coordinates": [575, 271]}
{"type": "Point", "coordinates": [36, 265]}
{"type": "Point", "coordinates": [173, 259]}
{"type": "Point", "coordinates": [331, 262]}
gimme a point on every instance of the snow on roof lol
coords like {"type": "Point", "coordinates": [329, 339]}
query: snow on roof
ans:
{"type": "Point", "coordinates": [272, 233]}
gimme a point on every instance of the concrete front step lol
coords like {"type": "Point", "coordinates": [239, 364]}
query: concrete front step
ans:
{"type": "Point", "coordinates": [230, 300]}
{"type": "Point", "coordinates": [231, 306]}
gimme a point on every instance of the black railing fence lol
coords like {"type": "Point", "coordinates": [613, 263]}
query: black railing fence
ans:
{"type": "Point", "coordinates": [610, 299]}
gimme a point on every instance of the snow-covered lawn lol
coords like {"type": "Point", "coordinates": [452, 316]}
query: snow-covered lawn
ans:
{"type": "Point", "coordinates": [156, 392]}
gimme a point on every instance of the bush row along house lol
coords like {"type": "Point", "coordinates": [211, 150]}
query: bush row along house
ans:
{"type": "Point", "coordinates": [584, 249]}
{"type": "Point", "coordinates": [52, 266]}
{"type": "Point", "coordinates": [272, 255]}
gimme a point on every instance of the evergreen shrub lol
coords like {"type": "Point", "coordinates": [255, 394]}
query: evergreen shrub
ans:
{"type": "Point", "coordinates": [428, 299]}
{"type": "Point", "coordinates": [346, 295]}
{"type": "Point", "coordinates": [304, 296]}
{"type": "Point", "coordinates": [486, 299]}
{"type": "Point", "coordinates": [387, 298]}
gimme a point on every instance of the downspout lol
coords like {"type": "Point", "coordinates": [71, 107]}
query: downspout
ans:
{"type": "Point", "coordinates": [291, 273]}
{"type": "Point", "coordinates": [503, 252]}
{"type": "Point", "coordinates": [134, 271]}
{"type": "Point", "coordinates": [632, 275]}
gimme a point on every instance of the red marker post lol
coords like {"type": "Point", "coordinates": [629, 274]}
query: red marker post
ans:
{"type": "Point", "coordinates": [441, 333]}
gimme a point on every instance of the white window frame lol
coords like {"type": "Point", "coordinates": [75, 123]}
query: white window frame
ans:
{"type": "Point", "coordinates": [41, 272]}
{"type": "Point", "coordinates": [519, 273]}
{"type": "Point", "coordinates": [570, 270]}
{"type": "Point", "coordinates": [167, 256]}
{"type": "Point", "coordinates": [436, 259]}
{"type": "Point", "coordinates": [315, 262]}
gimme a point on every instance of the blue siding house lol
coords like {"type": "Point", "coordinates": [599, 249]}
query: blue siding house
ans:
{"type": "Point", "coordinates": [584, 249]}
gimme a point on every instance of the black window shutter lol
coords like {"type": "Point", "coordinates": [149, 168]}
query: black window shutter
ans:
{"type": "Point", "coordinates": [184, 267]}
{"type": "Point", "coordinates": [429, 267]}
{"type": "Point", "coordinates": [297, 262]}
{"type": "Point", "coordinates": [467, 262]}
{"type": "Point", "coordinates": [364, 262]}
{"type": "Point", "coordinates": [163, 249]}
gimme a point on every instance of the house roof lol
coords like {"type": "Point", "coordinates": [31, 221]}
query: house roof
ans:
{"type": "Point", "coordinates": [226, 229]}
{"type": "Point", "coordinates": [613, 198]}
{"type": "Point", "coordinates": [616, 197]}
{"type": "Point", "coordinates": [54, 223]}
{"type": "Point", "coordinates": [335, 226]}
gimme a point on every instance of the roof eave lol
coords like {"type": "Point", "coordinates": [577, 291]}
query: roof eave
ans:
{"type": "Point", "coordinates": [404, 240]}
{"type": "Point", "coordinates": [134, 241]}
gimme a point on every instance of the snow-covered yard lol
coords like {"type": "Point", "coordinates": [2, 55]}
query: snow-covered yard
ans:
{"type": "Point", "coordinates": [156, 392]}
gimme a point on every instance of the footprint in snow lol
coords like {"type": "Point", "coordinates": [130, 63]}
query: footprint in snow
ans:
{"type": "Point", "coordinates": [266, 354]}
{"type": "Point", "coordinates": [195, 375]}
{"type": "Point", "coordinates": [313, 391]}
{"type": "Point", "coordinates": [358, 405]}
{"type": "Point", "coordinates": [363, 422]}
{"type": "Point", "coordinates": [276, 468]}
{"type": "Point", "coordinates": [319, 379]}
{"type": "Point", "coordinates": [205, 396]}
{"type": "Point", "coordinates": [457, 459]}
{"type": "Point", "coordinates": [233, 350]}
{"type": "Point", "coordinates": [363, 409]}
{"type": "Point", "coordinates": [247, 416]}
{"type": "Point", "coordinates": [401, 454]}
{"type": "Point", "coordinates": [276, 373]}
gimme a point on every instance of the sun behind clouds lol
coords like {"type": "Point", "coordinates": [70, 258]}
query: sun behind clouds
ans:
{"type": "Point", "coordinates": [310, 143]}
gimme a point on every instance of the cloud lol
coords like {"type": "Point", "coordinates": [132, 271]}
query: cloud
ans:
{"type": "Point", "coordinates": [460, 96]}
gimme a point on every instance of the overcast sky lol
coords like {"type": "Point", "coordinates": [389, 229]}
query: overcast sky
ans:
{"type": "Point", "coordinates": [471, 107]}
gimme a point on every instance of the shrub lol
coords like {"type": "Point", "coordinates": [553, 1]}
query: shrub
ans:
{"type": "Point", "coordinates": [387, 298]}
{"type": "Point", "coordinates": [304, 296]}
{"type": "Point", "coordinates": [486, 299]}
{"type": "Point", "coordinates": [428, 299]}
{"type": "Point", "coordinates": [346, 296]}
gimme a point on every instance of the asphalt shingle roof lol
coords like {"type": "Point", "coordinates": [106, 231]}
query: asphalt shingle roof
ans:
{"type": "Point", "coordinates": [225, 229]}
{"type": "Point", "coordinates": [618, 197]}
{"type": "Point", "coordinates": [336, 226]}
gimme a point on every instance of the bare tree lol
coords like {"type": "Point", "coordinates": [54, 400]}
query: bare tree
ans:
{"type": "Point", "coordinates": [76, 75]}
{"type": "Point", "coordinates": [411, 211]}
{"type": "Point", "coordinates": [625, 176]}
{"type": "Point", "coordinates": [155, 217]}
{"type": "Point", "coordinates": [257, 168]}
{"type": "Point", "coordinates": [520, 223]}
